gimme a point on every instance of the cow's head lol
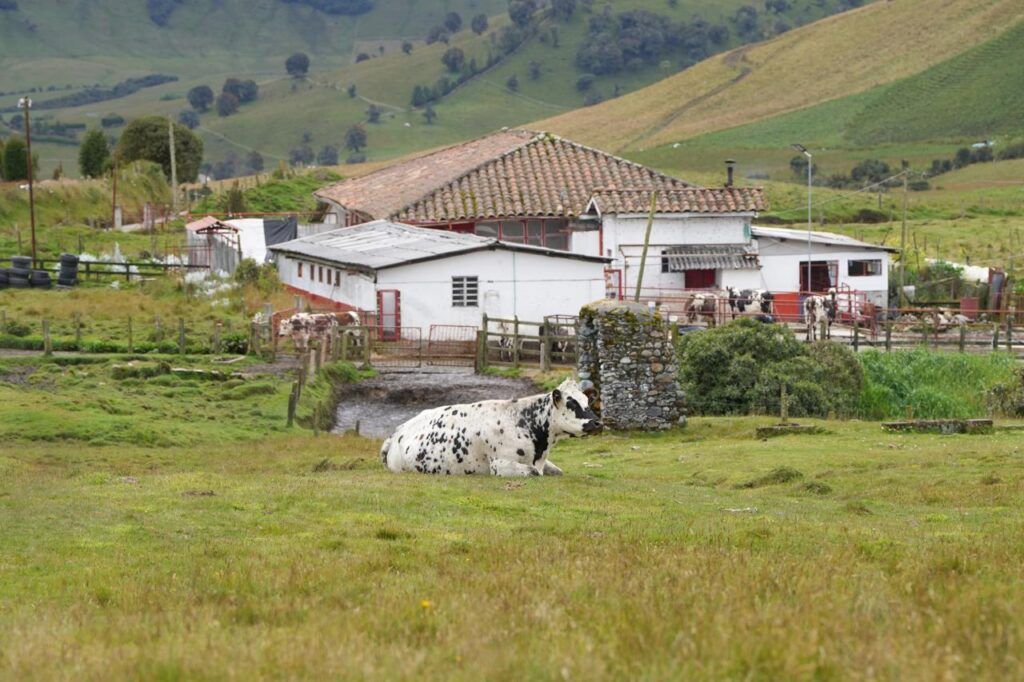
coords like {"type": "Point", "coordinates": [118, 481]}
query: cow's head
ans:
{"type": "Point", "coordinates": [571, 413]}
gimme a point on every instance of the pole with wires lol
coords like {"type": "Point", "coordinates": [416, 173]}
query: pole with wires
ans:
{"type": "Point", "coordinates": [903, 238]}
{"type": "Point", "coordinates": [647, 242]}
{"type": "Point", "coordinates": [25, 103]}
{"type": "Point", "coordinates": [810, 218]}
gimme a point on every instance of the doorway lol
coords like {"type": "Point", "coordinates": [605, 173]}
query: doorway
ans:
{"type": "Point", "coordinates": [389, 307]}
{"type": "Point", "coordinates": [824, 275]}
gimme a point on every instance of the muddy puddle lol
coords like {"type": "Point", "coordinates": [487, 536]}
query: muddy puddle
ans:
{"type": "Point", "coordinates": [382, 403]}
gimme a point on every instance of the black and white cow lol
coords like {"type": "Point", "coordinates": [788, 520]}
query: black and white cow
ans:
{"type": "Point", "coordinates": [303, 327]}
{"type": "Point", "coordinates": [754, 300]}
{"type": "Point", "coordinates": [818, 309]}
{"type": "Point", "coordinates": [498, 437]}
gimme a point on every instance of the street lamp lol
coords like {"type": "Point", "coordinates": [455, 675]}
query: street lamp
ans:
{"type": "Point", "coordinates": [803, 150]}
{"type": "Point", "coordinates": [25, 103]}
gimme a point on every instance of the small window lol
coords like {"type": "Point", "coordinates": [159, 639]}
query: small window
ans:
{"type": "Point", "coordinates": [512, 231]}
{"type": "Point", "coordinates": [337, 278]}
{"type": "Point", "coordinates": [535, 232]}
{"type": "Point", "coordinates": [864, 268]}
{"type": "Point", "coordinates": [300, 270]}
{"type": "Point", "coordinates": [489, 230]}
{"type": "Point", "coordinates": [664, 261]}
{"type": "Point", "coordinates": [321, 269]}
{"type": "Point", "coordinates": [465, 292]}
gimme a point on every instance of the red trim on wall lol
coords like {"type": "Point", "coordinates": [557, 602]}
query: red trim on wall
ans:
{"type": "Point", "coordinates": [321, 301]}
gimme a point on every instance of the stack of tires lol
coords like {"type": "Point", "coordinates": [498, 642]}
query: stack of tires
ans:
{"type": "Point", "coordinates": [40, 279]}
{"type": "Point", "coordinates": [20, 272]}
{"type": "Point", "coordinates": [68, 275]}
{"type": "Point", "coordinates": [4, 281]}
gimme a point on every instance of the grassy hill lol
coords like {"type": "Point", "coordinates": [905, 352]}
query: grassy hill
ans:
{"type": "Point", "coordinates": [56, 43]}
{"type": "Point", "coordinates": [834, 58]}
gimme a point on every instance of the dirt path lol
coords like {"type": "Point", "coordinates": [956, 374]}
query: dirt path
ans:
{"type": "Point", "coordinates": [382, 403]}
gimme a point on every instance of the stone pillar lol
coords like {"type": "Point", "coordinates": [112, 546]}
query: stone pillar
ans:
{"type": "Point", "coordinates": [626, 352]}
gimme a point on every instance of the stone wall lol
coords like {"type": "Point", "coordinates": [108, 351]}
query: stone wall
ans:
{"type": "Point", "coordinates": [627, 353]}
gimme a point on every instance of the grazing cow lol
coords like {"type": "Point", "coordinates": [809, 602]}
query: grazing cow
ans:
{"type": "Point", "coordinates": [756, 300]}
{"type": "Point", "coordinates": [303, 327]}
{"type": "Point", "coordinates": [498, 437]}
{"type": "Point", "coordinates": [702, 306]}
{"type": "Point", "coordinates": [818, 309]}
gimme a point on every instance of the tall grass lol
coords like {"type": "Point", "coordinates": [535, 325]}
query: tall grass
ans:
{"type": "Point", "coordinates": [930, 385]}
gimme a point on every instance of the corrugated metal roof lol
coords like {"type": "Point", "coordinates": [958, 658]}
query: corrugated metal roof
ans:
{"type": "Point", "coordinates": [711, 257]}
{"type": "Point", "coordinates": [382, 244]}
{"type": "Point", "coordinates": [827, 238]}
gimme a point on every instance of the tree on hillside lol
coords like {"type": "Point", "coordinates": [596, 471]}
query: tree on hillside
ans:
{"type": "Point", "coordinates": [406, 47]}
{"type": "Point", "coordinates": [512, 83]}
{"type": "Point", "coordinates": [533, 69]}
{"type": "Point", "coordinates": [776, 6]}
{"type": "Point", "coordinates": [254, 161]}
{"type": "Point", "coordinates": [355, 138]}
{"type": "Point", "coordinates": [160, 10]}
{"type": "Point", "coordinates": [351, 90]}
{"type": "Point", "coordinates": [200, 97]}
{"type": "Point", "coordinates": [452, 22]}
{"type": "Point", "coordinates": [870, 171]}
{"type": "Point", "coordinates": [718, 34]}
{"type": "Point", "coordinates": [563, 9]}
{"type": "Point", "coordinates": [146, 139]}
{"type": "Point", "coordinates": [798, 164]}
{"type": "Point", "coordinates": [93, 155]}
{"type": "Point", "coordinates": [429, 115]}
{"type": "Point", "coordinates": [327, 156]}
{"type": "Point", "coordinates": [297, 65]}
{"type": "Point", "coordinates": [244, 90]}
{"type": "Point", "coordinates": [15, 160]}
{"type": "Point", "coordinates": [362, 57]}
{"type": "Point", "coordinates": [479, 24]}
{"type": "Point", "coordinates": [1, 157]}
{"type": "Point", "coordinates": [438, 34]}
{"type": "Point", "coordinates": [300, 156]}
{"type": "Point", "coordinates": [521, 12]}
{"type": "Point", "coordinates": [227, 104]}
{"type": "Point", "coordinates": [8, 6]}
{"type": "Point", "coordinates": [746, 22]}
{"type": "Point", "coordinates": [453, 59]}
{"type": "Point", "coordinates": [373, 114]}
{"type": "Point", "coordinates": [189, 119]}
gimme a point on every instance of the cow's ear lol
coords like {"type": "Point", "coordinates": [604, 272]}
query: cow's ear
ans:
{"type": "Point", "coordinates": [556, 397]}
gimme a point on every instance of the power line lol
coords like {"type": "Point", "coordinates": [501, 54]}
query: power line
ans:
{"type": "Point", "coordinates": [866, 188]}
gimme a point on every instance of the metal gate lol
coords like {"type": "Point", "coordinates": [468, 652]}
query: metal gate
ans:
{"type": "Point", "coordinates": [396, 346]}
{"type": "Point", "coordinates": [450, 345]}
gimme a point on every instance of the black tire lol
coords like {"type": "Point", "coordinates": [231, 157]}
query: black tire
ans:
{"type": "Point", "coordinates": [66, 282]}
{"type": "Point", "coordinates": [21, 262]}
{"type": "Point", "coordinates": [20, 272]}
{"type": "Point", "coordinates": [69, 270]}
{"type": "Point", "coordinates": [68, 258]}
{"type": "Point", "coordinates": [18, 282]}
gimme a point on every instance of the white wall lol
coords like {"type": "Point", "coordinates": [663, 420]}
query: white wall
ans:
{"type": "Point", "coordinates": [780, 261]}
{"type": "Point", "coordinates": [356, 289]}
{"type": "Point", "coordinates": [544, 285]}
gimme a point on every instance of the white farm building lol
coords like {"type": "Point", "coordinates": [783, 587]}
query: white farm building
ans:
{"type": "Point", "coordinates": [414, 277]}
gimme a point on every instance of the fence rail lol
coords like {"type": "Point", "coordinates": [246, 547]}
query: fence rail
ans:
{"type": "Point", "coordinates": [95, 269]}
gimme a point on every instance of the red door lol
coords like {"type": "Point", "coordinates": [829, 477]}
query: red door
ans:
{"type": "Point", "coordinates": [389, 314]}
{"type": "Point", "coordinates": [700, 279]}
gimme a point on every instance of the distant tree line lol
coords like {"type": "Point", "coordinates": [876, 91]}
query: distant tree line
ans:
{"type": "Point", "coordinates": [160, 11]}
{"type": "Point", "coordinates": [97, 94]}
{"type": "Point", "coordinates": [343, 7]}
{"type": "Point", "coordinates": [966, 156]}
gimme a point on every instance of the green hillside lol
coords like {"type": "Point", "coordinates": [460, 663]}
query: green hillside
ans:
{"type": "Point", "coordinates": [54, 44]}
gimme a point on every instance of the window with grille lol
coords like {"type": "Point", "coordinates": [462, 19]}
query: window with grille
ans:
{"type": "Point", "coordinates": [465, 292]}
{"type": "Point", "coordinates": [864, 268]}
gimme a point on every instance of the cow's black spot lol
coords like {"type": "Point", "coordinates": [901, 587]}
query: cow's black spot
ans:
{"type": "Point", "coordinates": [521, 452]}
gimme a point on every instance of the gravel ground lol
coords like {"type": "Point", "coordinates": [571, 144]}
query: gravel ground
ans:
{"type": "Point", "coordinates": [382, 403]}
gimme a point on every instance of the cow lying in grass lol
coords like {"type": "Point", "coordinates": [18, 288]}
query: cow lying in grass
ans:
{"type": "Point", "coordinates": [498, 437]}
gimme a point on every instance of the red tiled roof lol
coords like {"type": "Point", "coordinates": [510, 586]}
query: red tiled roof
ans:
{"type": "Point", "coordinates": [384, 192]}
{"type": "Point", "coordinates": [686, 200]}
{"type": "Point", "coordinates": [511, 173]}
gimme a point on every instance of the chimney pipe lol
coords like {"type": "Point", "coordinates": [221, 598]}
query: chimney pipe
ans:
{"type": "Point", "coordinates": [729, 163]}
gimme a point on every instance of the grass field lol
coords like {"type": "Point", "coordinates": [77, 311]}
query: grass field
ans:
{"type": "Point", "coordinates": [202, 542]}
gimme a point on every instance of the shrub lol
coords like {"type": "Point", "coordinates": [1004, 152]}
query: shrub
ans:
{"type": "Point", "coordinates": [741, 367]}
{"type": "Point", "coordinates": [17, 329]}
{"type": "Point", "coordinates": [235, 342]}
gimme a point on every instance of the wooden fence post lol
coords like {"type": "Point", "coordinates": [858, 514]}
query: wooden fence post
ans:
{"type": "Point", "coordinates": [995, 336]}
{"type": "Point", "coordinates": [515, 341]}
{"type": "Point", "coordinates": [823, 330]}
{"type": "Point", "coordinates": [254, 339]}
{"type": "Point", "coordinates": [158, 333]}
{"type": "Point", "coordinates": [3, 319]}
{"type": "Point", "coordinates": [181, 335]}
{"type": "Point", "coordinates": [78, 330]}
{"type": "Point", "coordinates": [1009, 333]}
{"type": "Point", "coordinates": [47, 342]}
{"type": "Point", "coordinates": [888, 336]}
{"type": "Point", "coordinates": [216, 337]}
{"type": "Point", "coordinates": [963, 338]}
{"type": "Point", "coordinates": [856, 336]}
{"type": "Point", "coordinates": [545, 347]}
{"type": "Point", "coordinates": [481, 350]}
{"type": "Point", "coordinates": [293, 402]}
{"type": "Point", "coordinates": [367, 351]}
{"type": "Point", "coordinates": [344, 348]}
{"type": "Point", "coordinates": [131, 339]}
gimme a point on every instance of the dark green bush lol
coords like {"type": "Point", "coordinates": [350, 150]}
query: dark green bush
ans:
{"type": "Point", "coordinates": [741, 367]}
{"type": "Point", "coordinates": [21, 342]}
{"type": "Point", "coordinates": [235, 342]}
{"type": "Point", "coordinates": [17, 329]}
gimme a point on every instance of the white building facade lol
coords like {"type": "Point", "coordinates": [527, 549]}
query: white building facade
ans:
{"type": "Point", "coordinates": [415, 277]}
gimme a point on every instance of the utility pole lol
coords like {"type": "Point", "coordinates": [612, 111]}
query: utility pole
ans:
{"type": "Point", "coordinates": [647, 241]}
{"type": "Point", "coordinates": [903, 235]}
{"type": "Point", "coordinates": [174, 167]}
{"type": "Point", "coordinates": [113, 200]}
{"type": "Point", "coordinates": [810, 217]}
{"type": "Point", "coordinates": [25, 103]}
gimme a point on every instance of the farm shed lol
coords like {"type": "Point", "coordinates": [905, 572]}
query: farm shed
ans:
{"type": "Point", "coordinates": [416, 278]}
{"type": "Point", "coordinates": [836, 261]}
{"type": "Point", "coordinates": [220, 244]}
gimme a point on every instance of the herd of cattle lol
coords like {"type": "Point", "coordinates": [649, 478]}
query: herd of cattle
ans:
{"type": "Point", "coordinates": [760, 303]}
{"type": "Point", "coordinates": [306, 327]}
